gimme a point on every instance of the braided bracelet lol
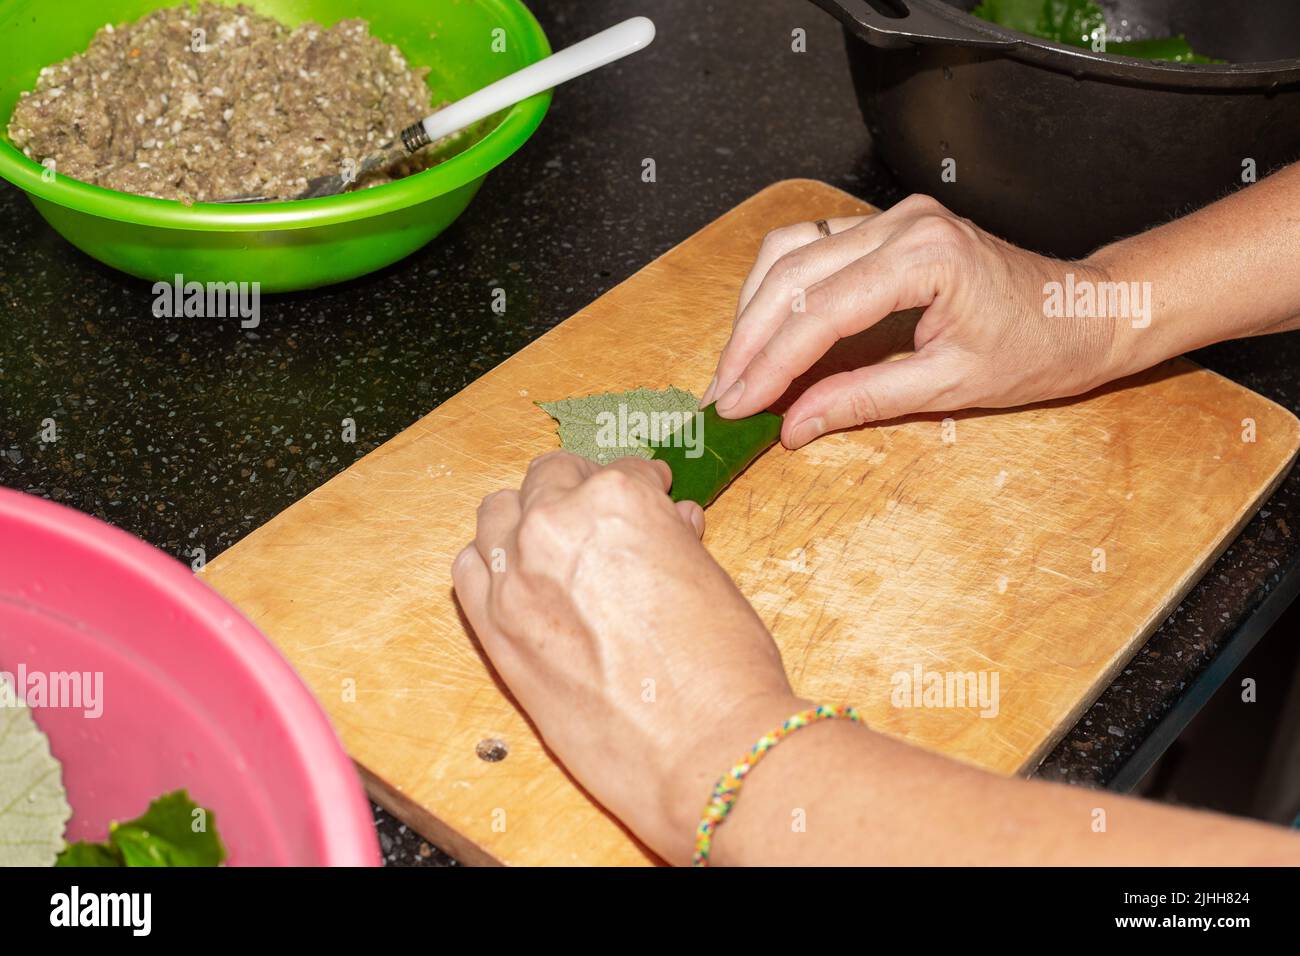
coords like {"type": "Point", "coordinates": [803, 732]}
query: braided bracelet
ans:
{"type": "Point", "coordinates": [727, 789]}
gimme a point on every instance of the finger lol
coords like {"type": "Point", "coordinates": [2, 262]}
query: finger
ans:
{"type": "Point", "coordinates": [498, 517]}
{"type": "Point", "coordinates": [692, 515]}
{"type": "Point", "coordinates": [923, 382]}
{"type": "Point", "coordinates": [784, 290]}
{"type": "Point", "coordinates": [853, 299]}
{"type": "Point", "coordinates": [786, 283]}
{"type": "Point", "coordinates": [471, 581]}
{"type": "Point", "coordinates": [652, 472]}
{"type": "Point", "coordinates": [783, 287]}
{"type": "Point", "coordinates": [782, 242]}
{"type": "Point", "coordinates": [552, 475]}
{"type": "Point", "coordinates": [778, 245]}
{"type": "Point", "coordinates": [904, 273]}
{"type": "Point", "coordinates": [779, 294]}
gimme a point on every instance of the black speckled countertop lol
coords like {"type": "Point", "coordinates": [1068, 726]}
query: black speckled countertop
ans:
{"type": "Point", "coordinates": [191, 433]}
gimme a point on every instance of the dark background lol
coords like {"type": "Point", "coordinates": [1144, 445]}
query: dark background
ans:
{"type": "Point", "coordinates": [191, 433]}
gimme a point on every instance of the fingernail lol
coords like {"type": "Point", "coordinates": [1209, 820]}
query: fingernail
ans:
{"type": "Point", "coordinates": [731, 397]}
{"type": "Point", "coordinates": [708, 392]}
{"type": "Point", "coordinates": [697, 521]}
{"type": "Point", "coordinates": [806, 431]}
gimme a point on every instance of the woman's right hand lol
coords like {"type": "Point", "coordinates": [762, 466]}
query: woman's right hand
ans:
{"type": "Point", "coordinates": [984, 339]}
{"type": "Point", "coordinates": [640, 662]}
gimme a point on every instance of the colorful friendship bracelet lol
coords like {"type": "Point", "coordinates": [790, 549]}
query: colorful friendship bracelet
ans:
{"type": "Point", "coordinates": [727, 789]}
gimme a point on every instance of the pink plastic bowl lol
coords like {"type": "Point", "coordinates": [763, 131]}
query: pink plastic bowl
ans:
{"type": "Point", "coordinates": [193, 695]}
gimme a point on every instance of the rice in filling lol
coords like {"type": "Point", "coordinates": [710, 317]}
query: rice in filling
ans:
{"type": "Point", "coordinates": [255, 109]}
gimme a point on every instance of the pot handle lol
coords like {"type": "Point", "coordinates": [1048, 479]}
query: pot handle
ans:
{"type": "Point", "coordinates": [899, 23]}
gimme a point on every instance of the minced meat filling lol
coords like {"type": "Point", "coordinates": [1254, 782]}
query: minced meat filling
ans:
{"type": "Point", "coordinates": [215, 102]}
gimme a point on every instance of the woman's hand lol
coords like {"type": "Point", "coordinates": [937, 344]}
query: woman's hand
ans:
{"type": "Point", "coordinates": [983, 341]}
{"type": "Point", "coordinates": [643, 667]}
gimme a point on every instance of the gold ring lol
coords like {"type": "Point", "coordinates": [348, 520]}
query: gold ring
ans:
{"type": "Point", "coordinates": [823, 227]}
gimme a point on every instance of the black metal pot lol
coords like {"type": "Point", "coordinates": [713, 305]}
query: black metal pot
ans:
{"type": "Point", "coordinates": [1062, 149]}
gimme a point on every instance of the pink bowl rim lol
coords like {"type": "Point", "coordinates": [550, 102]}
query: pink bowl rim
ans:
{"type": "Point", "coordinates": [336, 795]}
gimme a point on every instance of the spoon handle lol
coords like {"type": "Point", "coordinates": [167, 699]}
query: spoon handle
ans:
{"type": "Point", "coordinates": [583, 57]}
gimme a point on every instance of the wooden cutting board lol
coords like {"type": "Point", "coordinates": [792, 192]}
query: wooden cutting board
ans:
{"type": "Point", "coordinates": [1041, 545]}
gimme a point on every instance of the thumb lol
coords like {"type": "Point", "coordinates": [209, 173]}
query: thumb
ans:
{"type": "Point", "coordinates": [875, 393]}
{"type": "Point", "coordinates": [692, 515]}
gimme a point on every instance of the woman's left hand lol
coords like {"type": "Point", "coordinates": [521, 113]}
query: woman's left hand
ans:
{"type": "Point", "coordinates": [985, 340]}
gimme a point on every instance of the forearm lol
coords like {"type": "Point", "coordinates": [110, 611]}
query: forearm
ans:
{"type": "Point", "coordinates": [1227, 271]}
{"type": "Point", "coordinates": [839, 793]}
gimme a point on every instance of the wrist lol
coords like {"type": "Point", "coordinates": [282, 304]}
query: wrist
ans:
{"type": "Point", "coordinates": [716, 750]}
{"type": "Point", "coordinates": [1082, 345]}
{"type": "Point", "coordinates": [1138, 337]}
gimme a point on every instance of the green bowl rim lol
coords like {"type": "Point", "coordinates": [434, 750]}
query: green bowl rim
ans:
{"type": "Point", "coordinates": [512, 132]}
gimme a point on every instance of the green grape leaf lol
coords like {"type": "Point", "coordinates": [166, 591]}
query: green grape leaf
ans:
{"type": "Point", "coordinates": [174, 831]}
{"type": "Point", "coordinates": [33, 804]}
{"type": "Point", "coordinates": [89, 854]}
{"type": "Point", "coordinates": [1062, 21]}
{"type": "Point", "coordinates": [705, 452]}
{"type": "Point", "coordinates": [1022, 15]}
{"type": "Point", "coordinates": [707, 455]}
{"type": "Point", "coordinates": [1076, 22]}
{"type": "Point", "coordinates": [1071, 21]}
{"type": "Point", "coordinates": [1175, 49]}
{"type": "Point", "coordinates": [617, 424]}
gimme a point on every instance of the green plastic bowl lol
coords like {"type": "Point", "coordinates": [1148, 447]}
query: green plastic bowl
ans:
{"type": "Point", "coordinates": [282, 245]}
